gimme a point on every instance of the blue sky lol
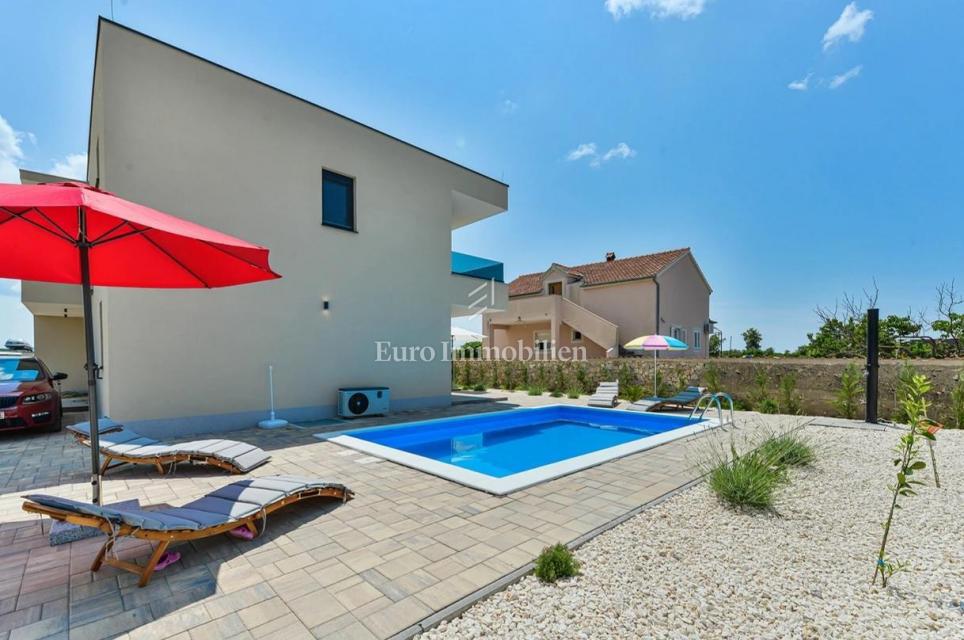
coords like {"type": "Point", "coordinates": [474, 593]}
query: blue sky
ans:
{"type": "Point", "coordinates": [802, 149]}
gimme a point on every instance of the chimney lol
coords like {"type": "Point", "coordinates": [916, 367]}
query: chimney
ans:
{"type": "Point", "coordinates": [610, 256]}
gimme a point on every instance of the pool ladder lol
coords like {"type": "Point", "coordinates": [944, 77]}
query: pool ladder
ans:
{"type": "Point", "coordinates": [713, 399]}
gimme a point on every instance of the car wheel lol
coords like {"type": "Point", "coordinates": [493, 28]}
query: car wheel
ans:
{"type": "Point", "coordinates": [59, 424]}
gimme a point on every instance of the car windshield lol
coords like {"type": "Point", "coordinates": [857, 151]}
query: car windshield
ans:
{"type": "Point", "coordinates": [19, 370]}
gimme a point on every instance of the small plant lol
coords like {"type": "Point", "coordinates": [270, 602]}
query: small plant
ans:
{"type": "Point", "coordinates": [556, 562]}
{"type": "Point", "coordinates": [632, 392]}
{"type": "Point", "coordinates": [787, 450]}
{"type": "Point", "coordinates": [790, 401]}
{"type": "Point", "coordinates": [905, 379]}
{"type": "Point", "coordinates": [535, 390]}
{"type": "Point", "coordinates": [746, 481]}
{"type": "Point", "coordinates": [847, 400]}
{"type": "Point", "coordinates": [573, 393]}
{"type": "Point", "coordinates": [711, 378]}
{"type": "Point", "coordinates": [914, 405]}
{"type": "Point", "coordinates": [762, 402]}
{"type": "Point", "coordinates": [555, 394]}
{"type": "Point", "coordinates": [478, 387]}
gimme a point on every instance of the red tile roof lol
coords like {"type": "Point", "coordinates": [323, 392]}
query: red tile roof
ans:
{"type": "Point", "coordinates": [619, 270]}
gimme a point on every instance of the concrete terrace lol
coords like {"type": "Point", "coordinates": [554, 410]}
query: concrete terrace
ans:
{"type": "Point", "coordinates": [409, 545]}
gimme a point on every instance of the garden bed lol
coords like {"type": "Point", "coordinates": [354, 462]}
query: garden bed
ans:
{"type": "Point", "coordinates": [691, 567]}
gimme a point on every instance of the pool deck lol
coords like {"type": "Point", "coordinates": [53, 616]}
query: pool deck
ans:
{"type": "Point", "coordinates": [409, 549]}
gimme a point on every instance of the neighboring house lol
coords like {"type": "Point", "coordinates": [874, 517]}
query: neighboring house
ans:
{"type": "Point", "coordinates": [602, 305]}
{"type": "Point", "coordinates": [359, 225]}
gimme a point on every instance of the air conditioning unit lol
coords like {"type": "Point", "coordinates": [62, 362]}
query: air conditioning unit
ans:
{"type": "Point", "coordinates": [355, 402]}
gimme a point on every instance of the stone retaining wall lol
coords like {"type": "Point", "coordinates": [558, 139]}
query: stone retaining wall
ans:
{"type": "Point", "coordinates": [817, 381]}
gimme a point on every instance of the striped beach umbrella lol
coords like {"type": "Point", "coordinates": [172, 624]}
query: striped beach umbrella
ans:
{"type": "Point", "coordinates": [655, 343]}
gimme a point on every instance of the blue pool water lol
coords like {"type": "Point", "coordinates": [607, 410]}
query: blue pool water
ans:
{"type": "Point", "coordinates": [507, 442]}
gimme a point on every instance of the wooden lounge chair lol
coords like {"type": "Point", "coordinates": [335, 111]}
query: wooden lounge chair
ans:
{"type": "Point", "coordinates": [241, 504]}
{"type": "Point", "coordinates": [606, 395]}
{"type": "Point", "coordinates": [681, 400]}
{"type": "Point", "coordinates": [120, 445]}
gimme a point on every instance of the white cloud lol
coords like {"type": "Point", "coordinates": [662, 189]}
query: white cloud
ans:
{"type": "Point", "coordinates": [850, 25]}
{"type": "Point", "coordinates": [620, 151]}
{"type": "Point", "coordinates": [800, 85]}
{"type": "Point", "coordinates": [589, 150]}
{"type": "Point", "coordinates": [583, 150]}
{"type": "Point", "coordinates": [10, 152]}
{"type": "Point", "coordinates": [73, 166]}
{"type": "Point", "coordinates": [843, 78]}
{"type": "Point", "coordinates": [508, 107]}
{"type": "Point", "coordinates": [683, 9]}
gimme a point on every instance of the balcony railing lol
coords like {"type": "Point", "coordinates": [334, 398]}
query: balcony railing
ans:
{"type": "Point", "coordinates": [475, 267]}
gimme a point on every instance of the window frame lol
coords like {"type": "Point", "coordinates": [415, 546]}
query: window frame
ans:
{"type": "Point", "coordinates": [573, 336]}
{"type": "Point", "coordinates": [697, 339]}
{"type": "Point", "coordinates": [550, 285]}
{"type": "Point", "coordinates": [342, 178]}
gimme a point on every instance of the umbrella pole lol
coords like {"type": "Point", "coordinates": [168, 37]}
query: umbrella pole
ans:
{"type": "Point", "coordinates": [84, 247]}
{"type": "Point", "coordinates": [655, 395]}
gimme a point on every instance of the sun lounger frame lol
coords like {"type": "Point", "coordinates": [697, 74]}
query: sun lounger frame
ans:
{"type": "Point", "coordinates": [165, 538]}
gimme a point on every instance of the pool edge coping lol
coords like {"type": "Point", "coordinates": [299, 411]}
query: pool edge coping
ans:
{"type": "Point", "coordinates": [511, 483]}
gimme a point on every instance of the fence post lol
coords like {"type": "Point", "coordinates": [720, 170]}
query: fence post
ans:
{"type": "Point", "coordinates": [873, 362]}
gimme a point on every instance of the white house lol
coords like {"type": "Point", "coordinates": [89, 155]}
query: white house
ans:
{"type": "Point", "coordinates": [358, 223]}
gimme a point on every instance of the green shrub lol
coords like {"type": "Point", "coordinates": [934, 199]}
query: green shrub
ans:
{"type": "Point", "coordinates": [555, 394]}
{"type": "Point", "coordinates": [790, 401]}
{"type": "Point", "coordinates": [632, 392]}
{"type": "Point", "coordinates": [535, 390]}
{"type": "Point", "coordinates": [746, 481]}
{"type": "Point", "coordinates": [905, 381]}
{"type": "Point", "coordinates": [847, 399]}
{"type": "Point", "coordinates": [711, 378]}
{"type": "Point", "coordinates": [766, 405]}
{"type": "Point", "coordinates": [761, 399]}
{"type": "Point", "coordinates": [479, 387]}
{"type": "Point", "coordinates": [957, 402]}
{"type": "Point", "coordinates": [556, 562]}
{"type": "Point", "coordinates": [573, 393]}
{"type": "Point", "coordinates": [786, 450]}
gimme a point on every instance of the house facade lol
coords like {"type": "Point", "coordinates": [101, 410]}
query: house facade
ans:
{"type": "Point", "coordinates": [597, 307]}
{"type": "Point", "coordinates": [358, 222]}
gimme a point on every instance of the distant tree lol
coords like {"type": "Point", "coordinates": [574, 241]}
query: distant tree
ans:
{"type": "Point", "coordinates": [470, 350]}
{"type": "Point", "coordinates": [716, 344]}
{"type": "Point", "coordinates": [754, 340]}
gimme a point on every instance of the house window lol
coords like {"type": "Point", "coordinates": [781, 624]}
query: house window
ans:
{"type": "Point", "coordinates": [541, 340]}
{"type": "Point", "coordinates": [679, 333]}
{"type": "Point", "coordinates": [697, 339]}
{"type": "Point", "coordinates": [555, 288]}
{"type": "Point", "coordinates": [337, 200]}
{"type": "Point", "coordinates": [576, 336]}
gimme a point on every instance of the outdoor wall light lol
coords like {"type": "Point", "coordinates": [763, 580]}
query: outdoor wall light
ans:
{"type": "Point", "coordinates": [325, 305]}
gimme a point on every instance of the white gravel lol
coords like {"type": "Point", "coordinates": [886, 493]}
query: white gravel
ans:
{"type": "Point", "coordinates": [691, 568]}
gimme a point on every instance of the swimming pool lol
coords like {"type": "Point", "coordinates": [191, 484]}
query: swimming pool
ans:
{"type": "Point", "coordinates": [504, 451]}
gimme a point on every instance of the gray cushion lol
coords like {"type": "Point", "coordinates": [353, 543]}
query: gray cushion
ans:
{"type": "Point", "coordinates": [133, 516]}
{"type": "Point", "coordinates": [126, 442]}
{"type": "Point", "coordinates": [104, 425]}
{"type": "Point", "coordinates": [229, 508]}
{"type": "Point", "coordinates": [232, 502]}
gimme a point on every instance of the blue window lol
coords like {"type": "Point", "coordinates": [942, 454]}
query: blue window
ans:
{"type": "Point", "coordinates": [337, 200]}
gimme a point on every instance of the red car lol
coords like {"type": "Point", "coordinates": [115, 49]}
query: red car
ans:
{"type": "Point", "coordinates": [28, 397]}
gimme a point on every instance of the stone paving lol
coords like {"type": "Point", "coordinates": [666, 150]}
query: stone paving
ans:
{"type": "Point", "coordinates": [408, 545]}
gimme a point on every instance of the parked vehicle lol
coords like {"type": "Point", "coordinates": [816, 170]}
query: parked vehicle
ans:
{"type": "Point", "coordinates": [29, 399]}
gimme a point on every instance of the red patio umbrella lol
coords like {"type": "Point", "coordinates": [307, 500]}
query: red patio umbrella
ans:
{"type": "Point", "coordinates": [72, 233]}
